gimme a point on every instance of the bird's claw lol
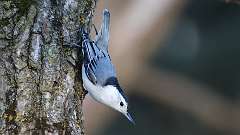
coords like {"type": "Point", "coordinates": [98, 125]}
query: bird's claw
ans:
{"type": "Point", "coordinates": [83, 94]}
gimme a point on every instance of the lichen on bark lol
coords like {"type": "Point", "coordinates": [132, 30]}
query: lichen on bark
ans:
{"type": "Point", "coordinates": [42, 76]}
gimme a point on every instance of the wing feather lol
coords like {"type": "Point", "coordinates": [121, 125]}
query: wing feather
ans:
{"type": "Point", "coordinates": [97, 63]}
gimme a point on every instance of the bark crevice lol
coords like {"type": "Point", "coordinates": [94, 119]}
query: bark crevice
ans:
{"type": "Point", "coordinates": [42, 90]}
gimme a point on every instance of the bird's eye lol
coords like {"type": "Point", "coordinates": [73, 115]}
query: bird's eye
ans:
{"type": "Point", "coordinates": [121, 103]}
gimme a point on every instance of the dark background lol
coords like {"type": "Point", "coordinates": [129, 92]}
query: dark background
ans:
{"type": "Point", "coordinates": [204, 46]}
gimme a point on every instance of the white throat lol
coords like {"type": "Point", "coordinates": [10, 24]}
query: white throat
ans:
{"type": "Point", "coordinates": [105, 95]}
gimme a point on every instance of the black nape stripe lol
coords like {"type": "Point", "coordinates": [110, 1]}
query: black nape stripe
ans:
{"type": "Point", "coordinates": [114, 82]}
{"type": "Point", "coordinates": [111, 81]}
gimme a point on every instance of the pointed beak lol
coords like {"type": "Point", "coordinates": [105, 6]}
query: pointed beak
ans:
{"type": "Point", "coordinates": [130, 118]}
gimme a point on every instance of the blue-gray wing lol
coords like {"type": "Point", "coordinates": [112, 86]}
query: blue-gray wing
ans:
{"type": "Point", "coordinates": [102, 69]}
{"type": "Point", "coordinates": [97, 63]}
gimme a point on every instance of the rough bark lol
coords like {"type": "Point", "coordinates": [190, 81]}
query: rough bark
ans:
{"type": "Point", "coordinates": [40, 86]}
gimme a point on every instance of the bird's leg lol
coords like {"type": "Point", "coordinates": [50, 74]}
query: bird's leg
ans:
{"type": "Point", "coordinates": [83, 94]}
{"type": "Point", "coordinates": [96, 32]}
{"type": "Point", "coordinates": [71, 45]}
{"type": "Point", "coordinates": [71, 63]}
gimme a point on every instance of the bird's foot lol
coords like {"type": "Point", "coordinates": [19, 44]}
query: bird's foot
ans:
{"type": "Point", "coordinates": [83, 94]}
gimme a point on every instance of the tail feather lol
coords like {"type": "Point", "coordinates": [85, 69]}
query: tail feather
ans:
{"type": "Point", "coordinates": [102, 39]}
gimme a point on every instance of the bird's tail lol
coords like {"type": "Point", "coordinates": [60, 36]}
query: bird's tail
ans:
{"type": "Point", "coordinates": [102, 39]}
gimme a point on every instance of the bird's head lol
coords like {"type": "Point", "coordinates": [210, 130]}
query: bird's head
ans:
{"type": "Point", "coordinates": [115, 98]}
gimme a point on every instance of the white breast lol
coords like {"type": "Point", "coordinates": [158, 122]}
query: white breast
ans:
{"type": "Point", "coordinates": [95, 91]}
{"type": "Point", "coordinates": [107, 95]}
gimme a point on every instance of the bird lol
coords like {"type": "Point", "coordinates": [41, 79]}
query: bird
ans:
{"type": "Point", "coordinates": [98, 72]}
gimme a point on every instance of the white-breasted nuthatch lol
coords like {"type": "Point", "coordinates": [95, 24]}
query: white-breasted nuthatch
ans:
{"type": "Point", "coordinates": [98, 72]}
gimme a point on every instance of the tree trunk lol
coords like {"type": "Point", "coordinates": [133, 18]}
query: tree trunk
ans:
{"type": "Point", "coordinates": [40, 77]}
